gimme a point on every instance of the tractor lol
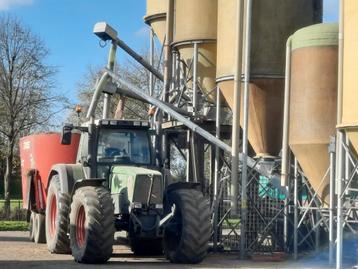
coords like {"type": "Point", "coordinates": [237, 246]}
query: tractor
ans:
{"type": "Point", "coordinates": [115, 185]}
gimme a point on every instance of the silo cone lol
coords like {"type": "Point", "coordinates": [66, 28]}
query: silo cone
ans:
{"type": "Point", "coordinates": [196, 21]}
{"type": "Point", "coordinates": [156, 17]}
{"type": "Point", "coordinates": [272, 23]}
{"type": "Point", "coordinates": [313, 105]}
{"type": "Point", "coordinates": [350, 62]}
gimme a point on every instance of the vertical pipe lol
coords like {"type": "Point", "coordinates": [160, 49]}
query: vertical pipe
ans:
{"type": "Point", "coordinates": [332, 147]}
{"type": "Point", "coordinates": [110, 66]}
{"type": "Point", "coordinates": [168, 50]}
{"type": "Point", "coordinates": [167, 70]}
{"type": "Point", "coordinates": [188, 163]}
{"type": "Point", "coordinates": [340, 153]}
{"type": "Point", "coordinates": [285, 148]}
{"type": "Point", "coordinates": [236, 108]}
{"type": "Point", "coordinates": [295, 216]}
{"type": "Point", "coordinates": [151, 61]}
{"type": "Point", "coordinates": [195, 79]}
{"type": "Point", "coordinates": [339, 184]}
{"type": "Point", "coordinates": [245, 149]}
{"type": "Point", "coordinates": [317, 231]}
{"type": "Point", "coordinates": [217, 164]}
{"type": "Point", "coordinates": [286, 115]}
{"type": "Point", "coordinates": [340, 61]}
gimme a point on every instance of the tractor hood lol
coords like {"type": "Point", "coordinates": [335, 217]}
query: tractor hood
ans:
{"type": "Point", "coordinates": [134, 171]}
{"type": "Point", "coordinates": [131, 184]}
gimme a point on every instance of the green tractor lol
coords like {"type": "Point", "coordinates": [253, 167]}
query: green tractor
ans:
{"type": "Point", "coordinates": [116, 186]}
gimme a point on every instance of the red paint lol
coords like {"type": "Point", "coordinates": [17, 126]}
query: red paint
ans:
{"type": "Point", "coordinates": [53, 215]}
{"type": "Point", "coordinates": [39, 152]}
{"type": "Point", "coordinates": [80, 227]}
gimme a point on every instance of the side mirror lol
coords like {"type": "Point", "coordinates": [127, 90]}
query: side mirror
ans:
{"type": "Point", "coordinates": [66, 136]}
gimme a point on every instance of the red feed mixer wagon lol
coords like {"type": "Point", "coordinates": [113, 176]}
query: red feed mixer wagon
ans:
{"type": "Point", "coordinates": [39, 153]}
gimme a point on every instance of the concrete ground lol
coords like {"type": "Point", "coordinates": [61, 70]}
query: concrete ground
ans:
{"type": "Point", "coordinates": [17, 252]}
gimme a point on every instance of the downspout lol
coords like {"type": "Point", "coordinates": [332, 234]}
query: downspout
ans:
{"type": "Point", "coordinates": [235, 145]}
{"type": "Point", "coordinates": [286, 116]}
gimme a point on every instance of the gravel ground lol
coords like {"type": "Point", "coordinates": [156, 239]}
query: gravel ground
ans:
{"type": "Point", "coordinates": [17, 252]}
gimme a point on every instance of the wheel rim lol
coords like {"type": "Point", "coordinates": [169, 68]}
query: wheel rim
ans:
{"type": "Point", "coordinates": [80, 227]}
{"type": "Point", "coordinates": [53, 215]}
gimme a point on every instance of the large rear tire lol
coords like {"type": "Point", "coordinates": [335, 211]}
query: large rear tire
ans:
{"type": "Point", "coordinates": [92, 225]}
{"type": "Point", "coordinates": [39, 229]}
{"type": "Point", "coordinates": [187, 234]}
{"type": "Point", "coordinates": [57, 218]}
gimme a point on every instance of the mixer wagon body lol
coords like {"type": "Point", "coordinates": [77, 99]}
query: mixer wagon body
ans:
{"type": "Point", "coordinates": [38, 153]}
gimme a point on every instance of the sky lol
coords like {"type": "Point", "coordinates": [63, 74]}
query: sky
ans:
{"type": "Point", "coordinates": [66, 26]}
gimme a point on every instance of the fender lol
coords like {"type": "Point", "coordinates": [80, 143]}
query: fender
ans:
{"type": "Point", "coordinates": [182, 185]}
{"type": "Point", "coordinates": [69, 174]}
{"type": "Point", "coordinates": [87, 182]}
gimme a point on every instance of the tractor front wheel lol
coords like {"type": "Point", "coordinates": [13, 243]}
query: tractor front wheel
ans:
{"type": "Point", "coordinates": [92, 225]}
{"type": "Point", "coordinates": [187, 234]}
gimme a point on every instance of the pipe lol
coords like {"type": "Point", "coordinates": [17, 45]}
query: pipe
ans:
{"type": "Point", "coordinates": [245, 147]}
{"type": "Point", "coordinates": [120, 43]}
{"type": "Point", "coordinates": [217, 166]}
{"type": "Point", "coordinates": [167, 74]}
{"type": "Point", "coordinates": [286, 116]}
{"type": "Point", "coordinates": [167, 50]}
{"type": "Point", "coordinates": [195, 79]}
{"type": "Point", "coordinates": [96, 96]}
{"type": "Point", "coordinates": [110, 66]}
{"type": "Point", "coordinates": [235, 144]}
{"type": "Point", "coordinates": [123, 85]}
{"type": "Point", "coordinates": [340, 134]}
{"type": "Point", "coordinates": [151, 61]}
{"type": "Point", "coordinates": [126, 87]}
{"type": "Point", "coordinates": [339, 182]}
{"type": "Point", "coordinates": [332, 147]}
{"type": "Point", "coordinates": [340, 62]}
{"type": "Point", "coordinates": [295, 216]}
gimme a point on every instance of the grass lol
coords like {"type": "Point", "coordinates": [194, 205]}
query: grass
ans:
{"type": "Point", "coordinates": [13, 226]}
{"type": "Point", "coordinates": [13, 204]}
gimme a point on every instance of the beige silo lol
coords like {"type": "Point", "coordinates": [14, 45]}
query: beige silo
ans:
{"type": "Point", "coordinates": [156, 17]}
{"type": "Point", "coordinates": [272, 23]}
{"type": "Point", "coordinates": [313, 109]}
{"type": "Point", "coordinates": [350, 72]}
{"type": "Point", "coordinates": [196, 21]}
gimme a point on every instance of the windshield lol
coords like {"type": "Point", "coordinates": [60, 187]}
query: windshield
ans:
{"type": "Point", "coordinates": [123, 147]}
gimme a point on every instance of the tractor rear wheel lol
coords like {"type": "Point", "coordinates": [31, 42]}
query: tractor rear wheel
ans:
{"type": "Point", "coordinates": [57, 218]}
{"type": "Point", "coordinates": [39, 228]}
{"type": "Point", "coordinates": [187, 234]}
{"type": "Point", "coordinates": [92, 225]}
{"type": "Point", "coordinates": [32, 227]}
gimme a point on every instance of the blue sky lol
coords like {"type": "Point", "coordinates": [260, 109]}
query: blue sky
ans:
{"type": "Point", "coordinates": [66, 28]}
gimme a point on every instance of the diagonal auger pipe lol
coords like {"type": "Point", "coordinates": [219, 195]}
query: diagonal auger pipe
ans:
{"type": "Point", "coordinates": [126, 87]}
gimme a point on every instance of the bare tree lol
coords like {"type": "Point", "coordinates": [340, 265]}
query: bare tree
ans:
{"type": "Point", "coordinates": [26, 102]}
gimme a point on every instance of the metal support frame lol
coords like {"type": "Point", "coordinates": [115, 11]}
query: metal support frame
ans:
{"type": "Point", "coordinates": [245, 143]}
